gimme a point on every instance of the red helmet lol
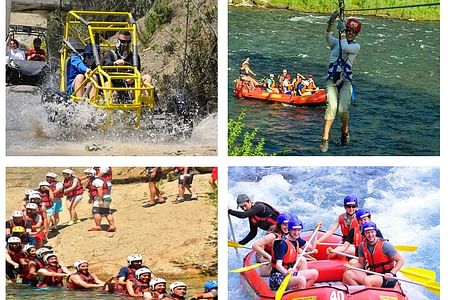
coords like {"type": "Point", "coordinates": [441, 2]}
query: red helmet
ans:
{"type": "Point", "coordinates": [353, 23]}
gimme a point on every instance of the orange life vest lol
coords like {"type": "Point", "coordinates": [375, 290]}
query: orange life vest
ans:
{"type": "Point", "coordinates": [58, 194]}
{"type": "Point", "coordinates": [345, 228]}
{"type": "Point", "coordinates": [86, 278]}
{"type": "Point", "coordinates": [357, 237]}
{"type": "Point", "coordinates": [378, 261]}
{"type": "Point", "coordinates": [93, 189]}
{"type": "Point", "coordinates": [75, 192]}
{"type": "Point", "coordinates": [290, 257]}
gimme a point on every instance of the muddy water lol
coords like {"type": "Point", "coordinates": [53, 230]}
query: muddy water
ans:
{"type": "Point", "coordinates": [29, 133]}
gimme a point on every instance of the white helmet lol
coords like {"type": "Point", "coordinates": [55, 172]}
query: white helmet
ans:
{"type": "Point", "coordinates": [29, 191]}
{"type": "Point", "coordinates": [41, 251]}
{"type": "Point", "coordinates": [14, 239]}
{"type": "Point", "coordinates": [133, 257]}
{"type": "Point", "coordinates": [177, 284]}
{"type": "Point", "coordinates": [51, 174]}
{"type": "Point", "coordinates": [27, 248]}
{"type": "Point", "coordinates": [47, 256]}
{"type": "Point", "coordinates": [31, 206]}
{"type": "Point", "coordinates": [156, 281]}
{"type": "Point", "coordinates": [67, 171]}
{"type": "Point", "coordinates": [140, 271]}
{"type": "Point", "coordinates": [17, 214]}
{"type": "Point", "coordinates": [90, 171]}
{"type": "Point", "coordinates": [79, 262]}
{"type": "Point", "coordinates": [34, 195]}
{"type": "Point", "coordinates": [44, 183]}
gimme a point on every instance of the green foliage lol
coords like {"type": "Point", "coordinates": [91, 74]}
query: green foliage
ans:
{"type": "Point", "coordinates": [160, 14]}
{"type": "Point", "coordinates": [250, 143]}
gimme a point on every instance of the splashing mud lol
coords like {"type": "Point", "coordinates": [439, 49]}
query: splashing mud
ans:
{"type": "Point", "coordinates": [84, 130]}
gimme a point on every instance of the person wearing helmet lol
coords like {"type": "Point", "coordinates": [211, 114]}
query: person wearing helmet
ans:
{"type": "Point", "coordinates": [82, 278]}
{"type": "Point", "coordinates": [52, 273]}
{"type": "Point", "coordinates": [185, 178]}
{"type": "Point", "coordinates": [140, 284]}
{"type": "Point", "coordinates": [210, 291]}
{"type": "Point", "coordinates": [105, 173]}
{"type": "Point", "coordinates": [260, 215]}
{"type": "Point", "coordinates": [355, 237]}
{"type": "Point", "coordinates": [271, 84]}
{"type": "Point", "coordinates": [154, 176]}
{"type": "Point", "coordinates": [158, 287]}
{"type": "Point", "coordinates": [178, 290]}
{"type": "Point", "coordinates": [380, 256]}
{"type": "Point", "coordinates": [101, 200]}
{"type": "Point", "coordinates": [15, 258]}
{"type": "Point", "coordinates": [36, 53]}
{"type": "Point", "coordinates": [17, 219]}
{"type": "Point", "coordinates": [263, 247]}
{"type": "Point", "coordinates": [285, 252]}
{"type": "Point", "coordinates": [344, 221]}
{"type": "Point", "coordinates": [245, 74]}
{"type": "Point", "coordinates": [47, 203]}
{"type": "Point", "coordinates": [127, 272]}
{"type": "Point", "coordinates": [299, 85]}
{"type": "Point", "coordinates": [80, 67]}
{"type": "Point", "coordinates": [32, 215]}
{"type": "Point", "coordinates": [40, 256]}
{"type": "Point", "coordinates": [341, 58]}
{"type": "Point", "coordinates": [29, 273]}
{"type": "Point", "coordinates": [74, 194]}
{"type": "Point", "coordinates": [57, 188]}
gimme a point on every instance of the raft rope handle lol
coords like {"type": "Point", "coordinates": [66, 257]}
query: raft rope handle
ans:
{"type": "Point", "coordinates": [396, 7]}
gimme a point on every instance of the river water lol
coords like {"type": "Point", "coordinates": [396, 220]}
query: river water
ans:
{"type": "Point", "coordinates": [404, 202]}
{"type": "Point", "coordinates": [396, 78]}
{"type": "Point", "coordinates": [28, 132]}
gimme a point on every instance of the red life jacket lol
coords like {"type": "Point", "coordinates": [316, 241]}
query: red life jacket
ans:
{"type": "Point", "coordinates": [75, 192]}
{"type": "Point", "coordinates": [45, 199]}
{"type": "Point", "coordinates": [107, 176]}
{"type": "Point", "coordinates": [58, 194]}
{"type": "Point", "coordinates": [15, 255]}
{"type": "Point", "coordinates": [52, 280]}
{"type": "Point", "coordinates": [290, 257]}
{"type": "Point", "coordinates": [265, 222]}
{"type": "Point", "coordinates": [139, 287]}
{"type": "Point", "coordinates": [378, 261]}
{"type": "Point", "coordinates": [25, 273]}
{"type": "Point", "coordinates": [93, 189]}
{"type": "Point", "coordinates": [88, 279]}
{"type": "Point", "coordinates": [345, 229]}
{"type": "Point", "coordinates": [269, 248]}
{"type": "Point", "coordinates": [357, 237]}
{"type": "Point", "coordinates": [39, 262]}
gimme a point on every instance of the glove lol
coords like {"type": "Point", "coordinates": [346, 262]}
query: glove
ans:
{"type": "Point", "coordinates": [333, 16]}
{"type": "Point", "coordinates": [340, 25]}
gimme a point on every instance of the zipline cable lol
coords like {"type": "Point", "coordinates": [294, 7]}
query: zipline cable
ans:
{"type": "Point", "coordinates": [395, 7]}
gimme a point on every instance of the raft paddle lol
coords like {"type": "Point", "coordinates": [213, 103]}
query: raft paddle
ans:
{"type": "Point", "coordinates": [251, 267]}
{"type": "Point", "coordinates": [405, 248]}
{"type": "Point", "coordinates": [282, 288]}
{"type": "Point", "coordinates": [432, 286]}
{"type": "Point", "coordinates": [232, 234]}
{"type": "Point", "coordinates": [414, 273]}
{"type": "Point", "coordinates": [237, 245]}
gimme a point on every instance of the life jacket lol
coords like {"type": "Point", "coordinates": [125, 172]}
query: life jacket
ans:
{"type": "Point", "coordinates": [25, 271]}
{"type": "Point", "coordinates": [311, 84]}
{"type": "Point", "coordinates": [12, 224]}
{"type": "Point", "coordinates": [34, 221]}
{"type": "Point", "coordinates": [75, 192]}
{"type": "Point", "coordinates": [93, 189]}
{"type": "Point", "coordinates": [268, 219]}
{"type": "Point", "coordinates": [138, 286]}
{"type": "Point", "coordinates": [16, 255]}
{"type": "Point", "coordinates": [345, 228]}
{"type": "Point", "coordinates": [86, 278]}
{"type": "Point", "coordinates": [52, 280]}
{"type": "Point", "coordinates": [107, 176]}
{"type": "Point", "coordinates": [39, 262]}
{"type": "Point", "coordinates": [378, 261]}
{"type": "Point", "coordinates": [45, 199]}
{"type": "Point", "coordinates": [290, 257]}
{"type": "Point", "coordinates": [269, 248]}
{"type": "Point", "coordinates": [58, 194]}
{"type": "Point", "coordinates": [357, 237]}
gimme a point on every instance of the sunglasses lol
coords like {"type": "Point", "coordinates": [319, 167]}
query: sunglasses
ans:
{"type": "Point", "coordinates": [350, 206]}
{"type": "Point", "coordinates": [351, 30]}
{"type": "Point", "coordinates": [125, 42]}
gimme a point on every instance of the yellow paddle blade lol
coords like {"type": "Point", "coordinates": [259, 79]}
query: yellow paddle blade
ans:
{"type": "Point", "coordinates": [234, 244]}
{"type": "Point", "coordinates": [406, 248]}
{"type": "Point", "coordinates": [283, 286]}
{"type": "Point", "coordinates": [419, 274]}
{"type": "Point", "coordinates": [434, 287]}
{"type": "Point", "coordinates": [244, 269]}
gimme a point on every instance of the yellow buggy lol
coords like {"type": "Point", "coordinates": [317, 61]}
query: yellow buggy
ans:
{"type": "Point", "coordinates": [90, 27]}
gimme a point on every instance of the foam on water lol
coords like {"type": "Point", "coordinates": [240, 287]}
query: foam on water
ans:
{"type": "Point", "coordinates": [404, 204]}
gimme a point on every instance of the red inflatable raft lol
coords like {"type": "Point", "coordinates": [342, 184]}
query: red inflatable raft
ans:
{"type": "Point", "coordinates": [328, 286]}
{"type": "Point", "coordinates": [241, 90]}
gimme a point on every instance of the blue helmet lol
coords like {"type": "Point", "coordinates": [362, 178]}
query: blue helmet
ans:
{"type": "Point", "coordinates": [350, 200]}
{"type": "Point", "coordinates": [283, 218]}
{"type": "Point", "coordinates": [295, 223]}
{"type": "Point", "coordinates": [369, 226]}
{"type": "Point", "coordinates": [89, 50]}
{"type": "Point", "coordinates": [211, 284]}
{"type": "Point", "coordinates": [361, 213]}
